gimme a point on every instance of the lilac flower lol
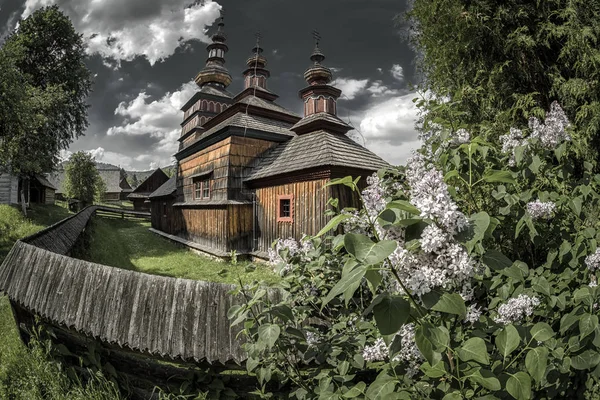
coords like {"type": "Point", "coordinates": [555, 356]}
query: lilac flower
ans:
{"type": "Point", "coordinates": [429, 193]}
{"type": "Point", "coordinates": [541, 210]}
{"type": "Point", "coordinates": [409, 352]}
{"type": "Point", "coordinates": [462, 136]}
{"type": "Point", "coordinates": [378, 351]}
{"type": "Point", "coordinates": [433, 238]}
{"type": "Point", "coordinates": [553, 131]}
{"type": "Point", "coordinates": [473, 314]}
{"type": "Point", "coordinates": [593, 261]}
{"type": "Point", "coordinates": [374, 196]}
{"type": "Point", "coordinates": [510, 142]}
{"type": "Point", "coordinates": [516, 308]}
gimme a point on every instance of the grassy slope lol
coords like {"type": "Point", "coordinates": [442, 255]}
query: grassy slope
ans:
{"type": "Point", "coordinates": [129, 244]}
{"type": "Point", "coordinates": [27, 374]}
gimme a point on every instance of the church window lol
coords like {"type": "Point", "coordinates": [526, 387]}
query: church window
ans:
{"type": "Point", "coordinates": [285, 208]}
{"type": "Point", "coordinates": [202, 188]}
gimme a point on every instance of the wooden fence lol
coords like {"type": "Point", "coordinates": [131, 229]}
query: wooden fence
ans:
{"type": "Point", "coordinates": [136, 319]}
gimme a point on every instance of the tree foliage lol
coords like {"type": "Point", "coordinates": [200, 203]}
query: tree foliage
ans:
{"type": "Point", "coordinates": [82, 180]}
{"type": "Point", "coordinates": [497, 63]}
{"type": "Point", "coordinates": [44, 85]}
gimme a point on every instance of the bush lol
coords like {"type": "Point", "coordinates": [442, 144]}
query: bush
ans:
{"type": "Point", "coordinates": [469, 274]}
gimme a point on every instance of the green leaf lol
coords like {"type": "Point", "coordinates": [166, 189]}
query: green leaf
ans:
{"type": "Point", "coordinates": [383, 385]}
{"type": "Point", "coordinates": [519, 386]}
{"type": "Point", "coordinates": [453, 396]}
{"type": "Point", "coordinates": [575, 205]}
{"type": "Point", "coordinates": [541, 285]}
{"type": "Point", "coordinates": [345, 284]}
{"type": "Point", "coordinates": [451, 303]}
{"type": "Point", "coordinates": [496, 260]}
{"type": "Point", "coordinates": [333, 223]}
{"type": "Point", "coordinates": [486, 379]}
{"type": "Point", "coordinates": [508, 340]}
{"type": "Point", "coordinates": [541, 332]}
{"type": "Point", "coordinates": [587, 325]}
{"type": "Point", "coordinates": [480, 223]}
{"type": "Point", "coordinates": [391, 313]}
{"type": "Point", "coordinates": [425, 343]}
{"type": "Point", "coordinates": [268, 334]}
{"type": "Point", "coordinates": [374, 278]}
{"type": "Point", "coordinates": [583, 295]}
{"type": "Point", "coordinates": [367, 251]}
{"type": "Point", "coordinates": [436, 371]}
{"type": "Point", "coordinates": [536, 362]}
{"type": "Point", "coordinates": [404, 206]}
{"type": "Point", "coordinates": [355, 391]}
{"type": "Point", "coordinates": [492, 175]}
{"type": "Point", "coordinates": [567, 321]}
{"type": "Point", "coordinates": [474, 349]}
{"type": "Point", "coordinates": [586, 360]}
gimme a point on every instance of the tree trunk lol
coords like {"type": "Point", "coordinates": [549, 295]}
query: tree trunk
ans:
{"type": "Point", "coordinates": [24, 183]}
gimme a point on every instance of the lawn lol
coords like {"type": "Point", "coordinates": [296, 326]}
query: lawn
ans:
{"type": "Point", "coordinates": [129, 244]}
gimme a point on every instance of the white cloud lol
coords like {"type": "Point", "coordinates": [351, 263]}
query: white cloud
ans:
{"type": "Point", "coordinates": [124, 29]}
{"type": "Point", "coordinates": [350, 87]}
{"type": "Point", "coordinates": [378, 89]}
{"type": "Point", "coordinates": [380, 70]}
{"type": "Point", "coordinates": [97, 153]}
{"type": "Point", "coordinates": [389, 128]}
{"type": "Point", "coordinates": [397, 72]}
{"type": "Point", "coordinates": [154, 165]}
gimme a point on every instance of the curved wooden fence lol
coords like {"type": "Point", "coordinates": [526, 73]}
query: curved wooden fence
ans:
{"type": "Point", "coordinates": [168, 318]}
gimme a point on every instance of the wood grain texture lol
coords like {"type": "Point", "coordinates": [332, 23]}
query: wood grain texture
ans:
{"type": "Point", "coordinates": [166, 317]}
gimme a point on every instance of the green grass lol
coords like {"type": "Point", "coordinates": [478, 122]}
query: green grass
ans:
{"type": "Point", "coordinates": [29, 373]}
{"type": "Point", "coordinates": [130, 245]}
{"type": "Point", "coordinates": [14, 226]}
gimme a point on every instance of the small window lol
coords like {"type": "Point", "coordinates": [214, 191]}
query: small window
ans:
{"type": "Point", "coordinates": [165, 210]}
{"type": "Point", "coordinates": [202, 188]}
{"type": "Point", "coordinates": [285, 208]}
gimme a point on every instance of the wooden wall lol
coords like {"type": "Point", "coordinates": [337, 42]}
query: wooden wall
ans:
{"type": "Point", "coordinates": [159, 207]}
{"type": "Point", "coordinates": [243, 153]}
{"type": "Point", "coordinates": [8, 189]}
{"type": "Point", "coordinates": [140, 204]}
{"type": "Point", "coordinates": [49, 196]}
{"type": "Point", "coordinates": [310, 199]}
{"type": "Point", "coordinates": [213, 158]}
{"type": "Point", "coordinates": [205, 226]}
{"type": "Point", "coordinates": [239, 228]}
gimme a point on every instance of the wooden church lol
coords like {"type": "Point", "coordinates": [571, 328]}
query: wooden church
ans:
{"type": "Point", "coordinates": [250, 171]}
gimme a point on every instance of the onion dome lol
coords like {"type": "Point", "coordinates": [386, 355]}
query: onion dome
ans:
{"type": "Point", "coordinates": [215, 73]}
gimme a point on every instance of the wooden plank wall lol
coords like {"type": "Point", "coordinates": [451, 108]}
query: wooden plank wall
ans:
{"type": "Point", "coordinates": [310, 199]}
{"type": "Point", "coordinates": [240, 228]}
{"type": "Point", "coordinates": [205, 226]}
{"type": "Point", "coordinates": [160, 206]}
{"type": "Point", "coordinates": [244, 152]}
{"type": "Point", "coordinates": [49, 196]}
{"type": "Point", "coordinates": [214, 157]}
{"type": "Point", "coordinates": [8, 189]}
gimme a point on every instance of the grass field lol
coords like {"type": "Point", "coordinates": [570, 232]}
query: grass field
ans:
{"type": "Point", "coordinates": [28, 373]}
{"type": "Point", "coordinates": [130, 245]}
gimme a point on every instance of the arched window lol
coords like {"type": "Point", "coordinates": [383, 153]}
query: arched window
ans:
{"type": "Point", "coordinates": [202, 121]}
{"type": "Point", "coordinates": [218, 108]}
{"type": "Point", "coordinates": [204, 105]}
{"type": "Point", "coordinates": [211, 106]}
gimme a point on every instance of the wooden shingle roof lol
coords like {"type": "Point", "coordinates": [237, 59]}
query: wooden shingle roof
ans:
{"type": "Point", "coordinates": [316, 149]}
{"type": "Point", "coordinates": [166, 189]}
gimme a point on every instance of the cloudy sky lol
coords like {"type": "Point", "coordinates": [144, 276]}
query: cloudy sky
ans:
{"type": "Point", "coordinates": [143, 55]}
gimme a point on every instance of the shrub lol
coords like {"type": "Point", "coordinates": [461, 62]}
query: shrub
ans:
{"type": "Point", "coordinates": [471, 273]}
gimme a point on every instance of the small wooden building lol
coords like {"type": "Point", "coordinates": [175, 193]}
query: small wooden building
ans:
{"type": "Point", "coordinates": [140, 195]}
{"type": "Point", "coordinates": [41, 191]}
{"type": "Point", "coordinates": [125, 189]}
{"type": "Point", "coordinates": [9, 189]}
{"type": "Point", "coordinates": [249, 170]}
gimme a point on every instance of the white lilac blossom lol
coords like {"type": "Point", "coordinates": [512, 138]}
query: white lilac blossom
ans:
{"type": "Point", "coordinates": [378, 351]}
{"type": "Point", "coordinates": [311, 338]}
{"type": "Point", "coordinates": [356, 223]}
{"type": "Point", "coordinates": [450, 268]}
{"type": "Point", "coordinates": [434, 130]}
{"type": "Point", "coordinates": [374, 196]}
{"type": "Point", "coordinates": [510, 142]}
{"type": "Point", "coordinates": [294, 248]}
{"type": "Point", "coordinates": [473, 314]}
{"type": "Point", "coordinates": [553, 130]}
{"type": "Point", "coordinates": [462, 136]}
{"type": "Point", "coordinates": [593, 261]}
{"type": "Point", "coordinates": [429, 193]}
{"type": "Point", "coordinates": [516, 308]}
{"type": "Point", "coordinates": [409, 352]}
{"type": "Point", "coordinates": [433, 238]}
{"type": "Point", "coordinates": [541, 210]}
{"type": "Point", "coordinates": [593, 281]}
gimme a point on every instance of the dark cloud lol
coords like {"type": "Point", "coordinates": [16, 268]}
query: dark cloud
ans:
{"type": "Point", "coordinates": [358, 37]}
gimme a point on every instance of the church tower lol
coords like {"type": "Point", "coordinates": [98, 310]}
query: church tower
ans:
{"type": "Point", "coordinates": [320, 98]}
{"type": "Point", "coordinates": [212, 96]}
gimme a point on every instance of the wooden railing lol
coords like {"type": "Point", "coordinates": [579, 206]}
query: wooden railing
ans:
{"type": "Point", "coordinates": [136, 319]}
